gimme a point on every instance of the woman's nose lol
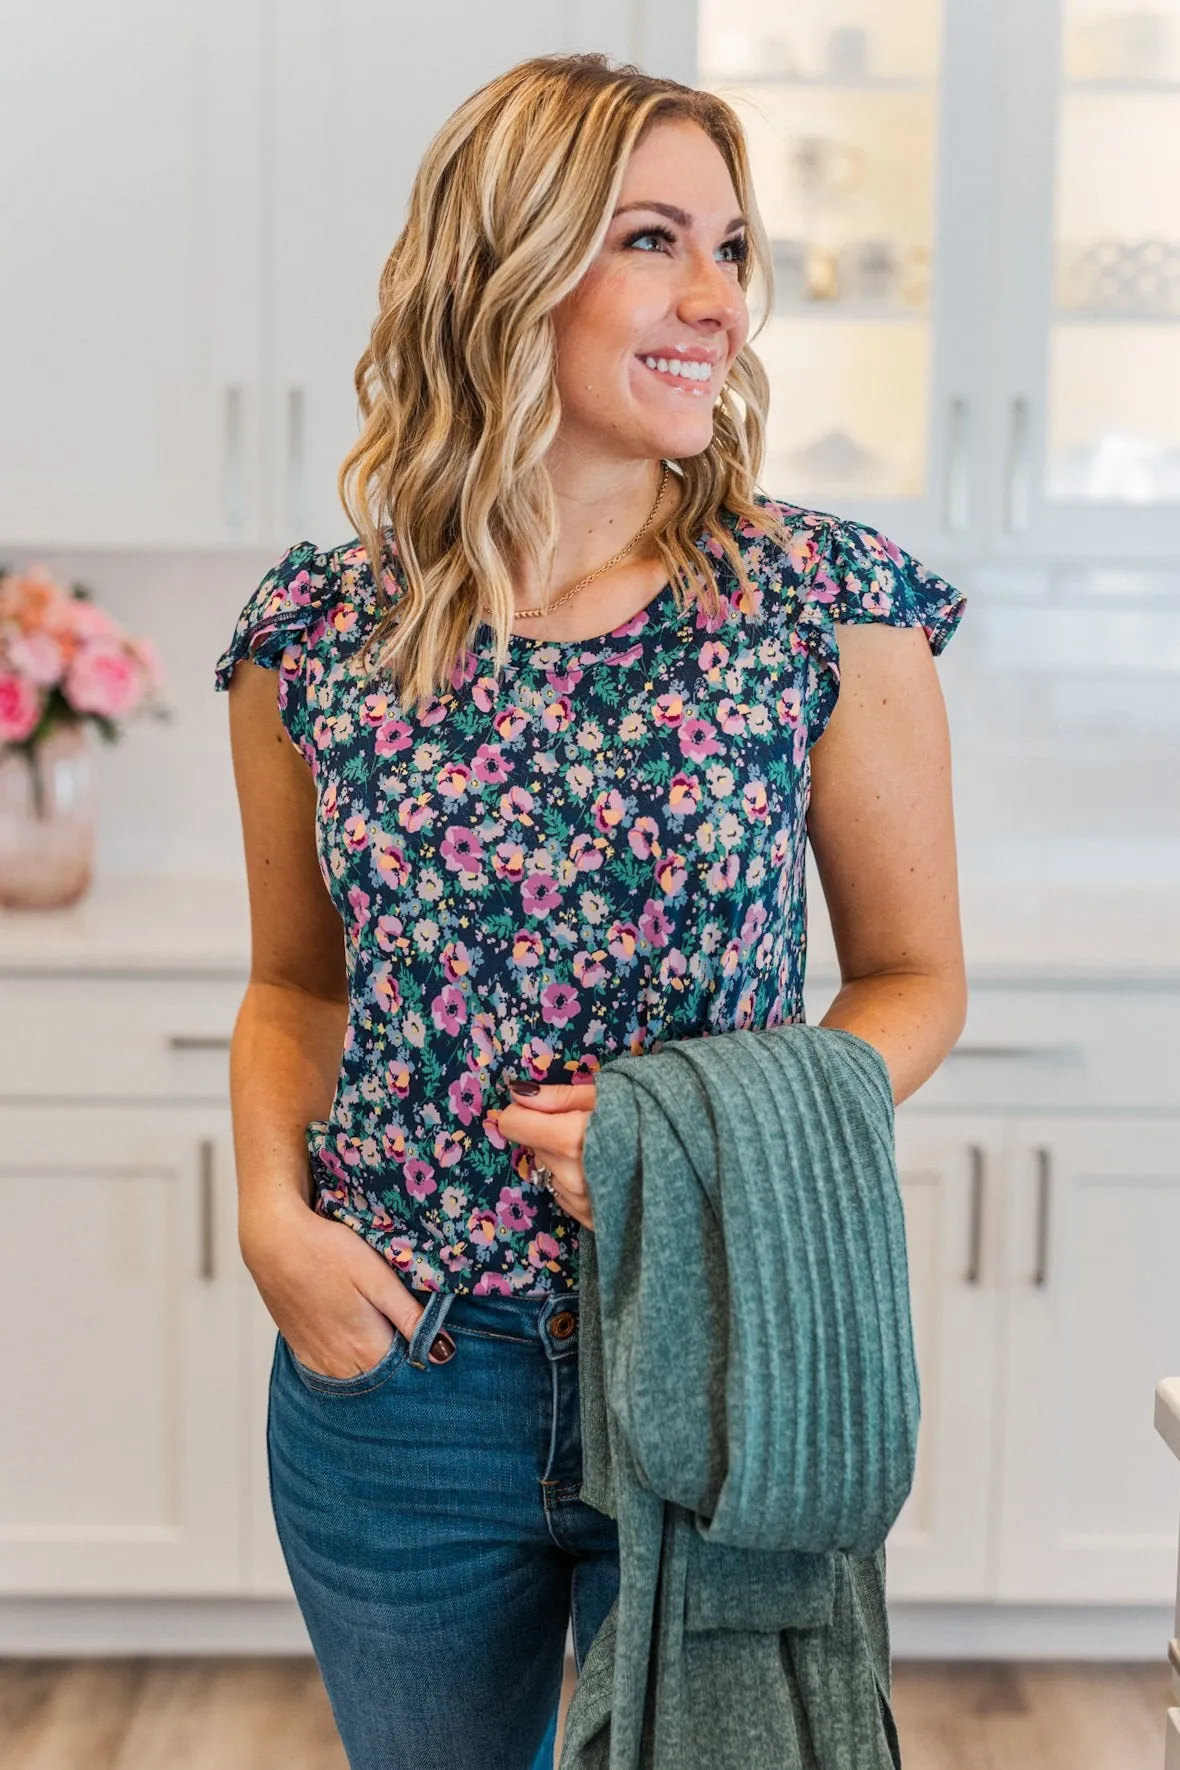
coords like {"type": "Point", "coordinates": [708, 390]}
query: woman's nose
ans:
{"type": "Point", "coordinates": [711, 292]}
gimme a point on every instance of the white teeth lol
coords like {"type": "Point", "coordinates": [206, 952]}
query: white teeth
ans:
{"type": "Point", "coordinates": [680, 366]}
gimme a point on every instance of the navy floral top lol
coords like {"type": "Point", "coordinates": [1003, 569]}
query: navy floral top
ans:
{"type": "Point", "coordinates": [604, 848]}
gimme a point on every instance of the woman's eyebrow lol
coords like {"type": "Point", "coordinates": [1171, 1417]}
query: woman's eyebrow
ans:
{"type": "Point", "coordinates": [680, 216]}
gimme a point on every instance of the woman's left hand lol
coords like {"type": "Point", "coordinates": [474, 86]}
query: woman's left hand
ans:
{"type": "Point", "coordinates": [552, 1124]}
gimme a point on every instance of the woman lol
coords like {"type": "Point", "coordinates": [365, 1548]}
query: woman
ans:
{"type": "Point", "coordinates": [535, 789]}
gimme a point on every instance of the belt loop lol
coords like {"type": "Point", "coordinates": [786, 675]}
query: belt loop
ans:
{"type": "Point", "coordinates": [429, 1322]}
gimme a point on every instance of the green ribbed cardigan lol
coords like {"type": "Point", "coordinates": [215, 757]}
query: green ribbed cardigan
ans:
{"type": "Point", "coordinates": [749, 1400]}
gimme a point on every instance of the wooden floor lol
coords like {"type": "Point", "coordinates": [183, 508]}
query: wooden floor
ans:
{"type": "Point", "coordinates": [271, 1714]}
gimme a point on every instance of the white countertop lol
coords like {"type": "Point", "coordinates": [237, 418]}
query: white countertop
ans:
{"type": "Point", "coordinates": [1017, 934]}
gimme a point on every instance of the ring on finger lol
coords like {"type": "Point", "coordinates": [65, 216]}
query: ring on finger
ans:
{"type": "Point", "coordinates": [542, 1175]}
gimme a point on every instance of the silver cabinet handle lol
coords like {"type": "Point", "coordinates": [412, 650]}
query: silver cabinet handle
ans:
{"type": "Point", "coordinates": [958, 467]}
{"type": "Point", "coordinates": [296, 458]}
{"type": "Point", "coordinates": [1018, 487]}
{"type": "Point", "coordinates": [1044, 1185]}
{"type": "Point", "coordinates": [975, 1234]}
{"type": "Point", "coordinates": [198, 1041]}
{"type": "Point", "coordinates": [233, 459]}
{"type": "Point", "coordinates": [206, 1183]}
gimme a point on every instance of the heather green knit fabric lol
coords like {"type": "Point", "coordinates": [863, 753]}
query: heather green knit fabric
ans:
{"type": "Point", "coordinates": [749, 1404]}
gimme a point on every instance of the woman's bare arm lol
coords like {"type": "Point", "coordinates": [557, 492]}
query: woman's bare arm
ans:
{"type": "Point", "coordinates": [881, 826]}
{"type": "Point", "coordinates": [329, 1292]}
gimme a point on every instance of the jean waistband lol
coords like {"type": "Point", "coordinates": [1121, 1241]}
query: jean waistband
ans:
{"type": "Point", "coordinates": [552, 1320]}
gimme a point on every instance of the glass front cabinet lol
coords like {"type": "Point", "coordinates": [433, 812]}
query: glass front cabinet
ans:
{"type": "Point", "coordinates": [974, 339]}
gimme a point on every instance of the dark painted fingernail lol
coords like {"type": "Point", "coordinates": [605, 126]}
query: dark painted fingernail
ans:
{"type": "Point", "coordinates": [525, 1087]}
{"type": "Point", "coordinates": [443, 1349]}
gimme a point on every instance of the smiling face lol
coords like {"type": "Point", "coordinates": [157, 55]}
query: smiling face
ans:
{"type": "Point", "coordinates": [646, 339]}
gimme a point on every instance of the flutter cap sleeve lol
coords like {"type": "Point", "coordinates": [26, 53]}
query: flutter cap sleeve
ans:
{"type": "Point", "coordinates": [863, 576]}
{"type": "Point", "coordinates": [273, 627]}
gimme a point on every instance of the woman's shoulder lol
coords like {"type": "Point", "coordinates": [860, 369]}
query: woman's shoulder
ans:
{"type": "Point", "coordinates": [830, 569]}
{"type": "Point", "coordinates": [310, 595]}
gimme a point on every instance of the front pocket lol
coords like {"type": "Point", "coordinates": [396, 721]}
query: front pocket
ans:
{"type": "Point", "coordinates": [363, 1382]}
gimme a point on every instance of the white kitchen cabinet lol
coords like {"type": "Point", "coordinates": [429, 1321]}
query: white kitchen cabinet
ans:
{"type": "Point", "coordinates": [121, 1375]}
{"type": "Point", "coordinates": [977, 245]}
{"type": "Point", "coordinates": [129, 224]}
{"type": "Point", "coordinates": [1086, 1503]}
{"type": "Point", "coordinates": [938, 1548]}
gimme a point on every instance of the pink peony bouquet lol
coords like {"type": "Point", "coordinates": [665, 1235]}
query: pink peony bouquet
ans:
{"type": "Point", "coordinates": [63, 660]}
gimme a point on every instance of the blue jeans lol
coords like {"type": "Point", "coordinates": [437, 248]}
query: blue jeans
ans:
{"type": "Point", "coordinates": [430, 1520]}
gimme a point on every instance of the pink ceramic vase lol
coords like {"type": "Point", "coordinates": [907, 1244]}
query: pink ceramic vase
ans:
{"type": "Point", "coordinates": [47, 819]}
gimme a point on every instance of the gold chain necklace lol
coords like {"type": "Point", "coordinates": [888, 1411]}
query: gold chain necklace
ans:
{"type": "Point", "coordinates": [525, 614]}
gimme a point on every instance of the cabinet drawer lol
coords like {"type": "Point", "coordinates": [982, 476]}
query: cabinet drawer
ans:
{"type": "Point", "coordinates": [85, 1038]}
{"type": "Point", "coordinates": [1054, 1049]}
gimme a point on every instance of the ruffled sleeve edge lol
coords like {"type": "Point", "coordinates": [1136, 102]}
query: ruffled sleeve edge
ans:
{"type": "Point", "coordinates": [937, 607]}
{"type": "Point", "coordinates": [289, 597]}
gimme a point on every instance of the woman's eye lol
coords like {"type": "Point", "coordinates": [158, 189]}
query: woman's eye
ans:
{"type": "Point", "coordinates": [652, 233]}
{"type": "Point", "coordinates": [738, 248]}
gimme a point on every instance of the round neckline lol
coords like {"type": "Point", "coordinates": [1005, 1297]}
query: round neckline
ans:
{"type": "Point", "coordinates": [658, 612]}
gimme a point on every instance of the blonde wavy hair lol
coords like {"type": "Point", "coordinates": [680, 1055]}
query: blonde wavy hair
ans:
{"type": "Point", "coordinates": [457, 388]}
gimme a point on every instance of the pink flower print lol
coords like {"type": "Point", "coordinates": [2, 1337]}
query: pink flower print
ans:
{"type": "Point", "coordinates": [564, 680]}
{"type": "Point", "coordinates": [801, 551]}
{"type": "Point", "coordinates": [558, 715]}
{"type": "Point", "coordinates": [491, 1284]}
{"type": "Point", "coordinates": [20, 707]}
{"type": "Point", "coordinates": [698, 739]}
{"type": "Point", "coordinates": [389, 933]}
{"type": "Point", "coordinates": [684, 795]}
{"type": "Point", "coordinates": [823, 587]}
{"type": "Point", "coordinates": [343, 619]}
{"type": "Point", "coordinates": [460, 848]}
{"type": "Point", "coordinates": [481, 1227]}
{"type": "Point", "coordinates": [507, 724]}
{"type": "Point", "coordinates": [489, 766]}
{"type": "Point", "coordinates": [356, 833]}
{"type": "Point", "coordinates": [397, 1078]}
{"type": "Point", "coordinates": [482, 1040]}
{"type": "Point", "coordinates": [104, 679]}
{"type": "Point", "coordinates": [560, 1003]}
{"type": "Point", "coordinates": [543, 1251]}
{"type": "Point", "coordinates": [671, 871]}
{"type": "Point", "coordinates": [391, 736]}
{"type": "Point", "coordinates": [321, 733]}
{"type": "Point", "coordinates": [512, 1210]}
{"type": "Point", "coordinates": [452, 1201]}
{"type": "Point", "coordinates": [290, 662]}
{"type": "Point", "coordinates": [644, 837]}
{"type": "Point", "coordinates": [358, 903]}
{"type": "Point", "coordinates": [348, 1149]}
{"type": "Point", "coordinates": [453, 780]}
{"type": "Point", "coordinates": [609, 810]}
{"type": "Point", "coordinates": [789, 706]}
{"type": "Point", "coordinates": [454, 1258]}
{"type": "Point", "coordinates": [539, 894]}
{"type": "Point", "coordinates": [516, 804]}
{"type": "Point", "coordinates": [464, 669]}
{"type": "Point", "coordinates": [655, 924]}
{"type": "Point", "coordinates": [713, 656]}
{"type": "Point", "coordinates": [731, 716]}
{"type": "Point", "coordinates": [799, 745]}
{"type": "Point", "coordinates": [447, 1149]}
{"type": "Point", "coordinates": [329, 800]}
{"type": "Point", "coordinates": [448, 1010]}
{"type": "Point", "coordinates": [585, 854]}
{"type": "Point", "coordinates": [37, 656]}
{"type": "Point", "coordinates": [589, 969]}
{"type": "Point", "coordinates": [393, 1144]}
{"type": "Point", "coordinates": [527, 948]}
{"type": "Point", "coordinates": [299, 590]}
{"type": "Point", "coordinates": [414, 814]}
{"type": "Point", "coordinates": [432, 711]}
{"type": "Point", "coordinates": [455, 959]}
{"type": "Point", "coordinates": [389, 860]}
{"type": "Point", "coordinates": [466, 1098]}
{"type": "Point", "coordinates": [723, 874]}
{"type": "Point", "coordinates": [622, 938]}
{"type": "Point", "coordinates": [673, 966]}
{"type": "Point", "coordinates": [753, 922]}
{"type": "Point", "coordinates": [484, 694]}
{"type": "Point", "coordinates": [668, 711]}
{"type": "Point", "coordinates": [400, 1254]}
{"type": "Point", "coordinates": [508, 862]}
{"type": "Point", "coordinates": [631, 727]}
{"type": "Point", "coordinates": [877, 599]}
{"type": "Point", "coordinates": [755, 802]}
{"type": "Point", "coordinates": [419, 1178]}
{"type": "Point", "coordinates": [386, 989]}
{"type": "Point", "coordinates": [374, 709]}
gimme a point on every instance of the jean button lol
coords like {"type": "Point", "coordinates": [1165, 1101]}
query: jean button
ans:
{"type": "Point", "coordinates": [563, 1324]}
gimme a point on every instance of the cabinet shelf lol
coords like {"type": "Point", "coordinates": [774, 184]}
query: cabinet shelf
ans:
{"type": "Point", "coordinates": [1111, 316]}
{"type": "Point", "coordinates": [822, 82]}
{"type": "Point", "coordinates": [851, 313]}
